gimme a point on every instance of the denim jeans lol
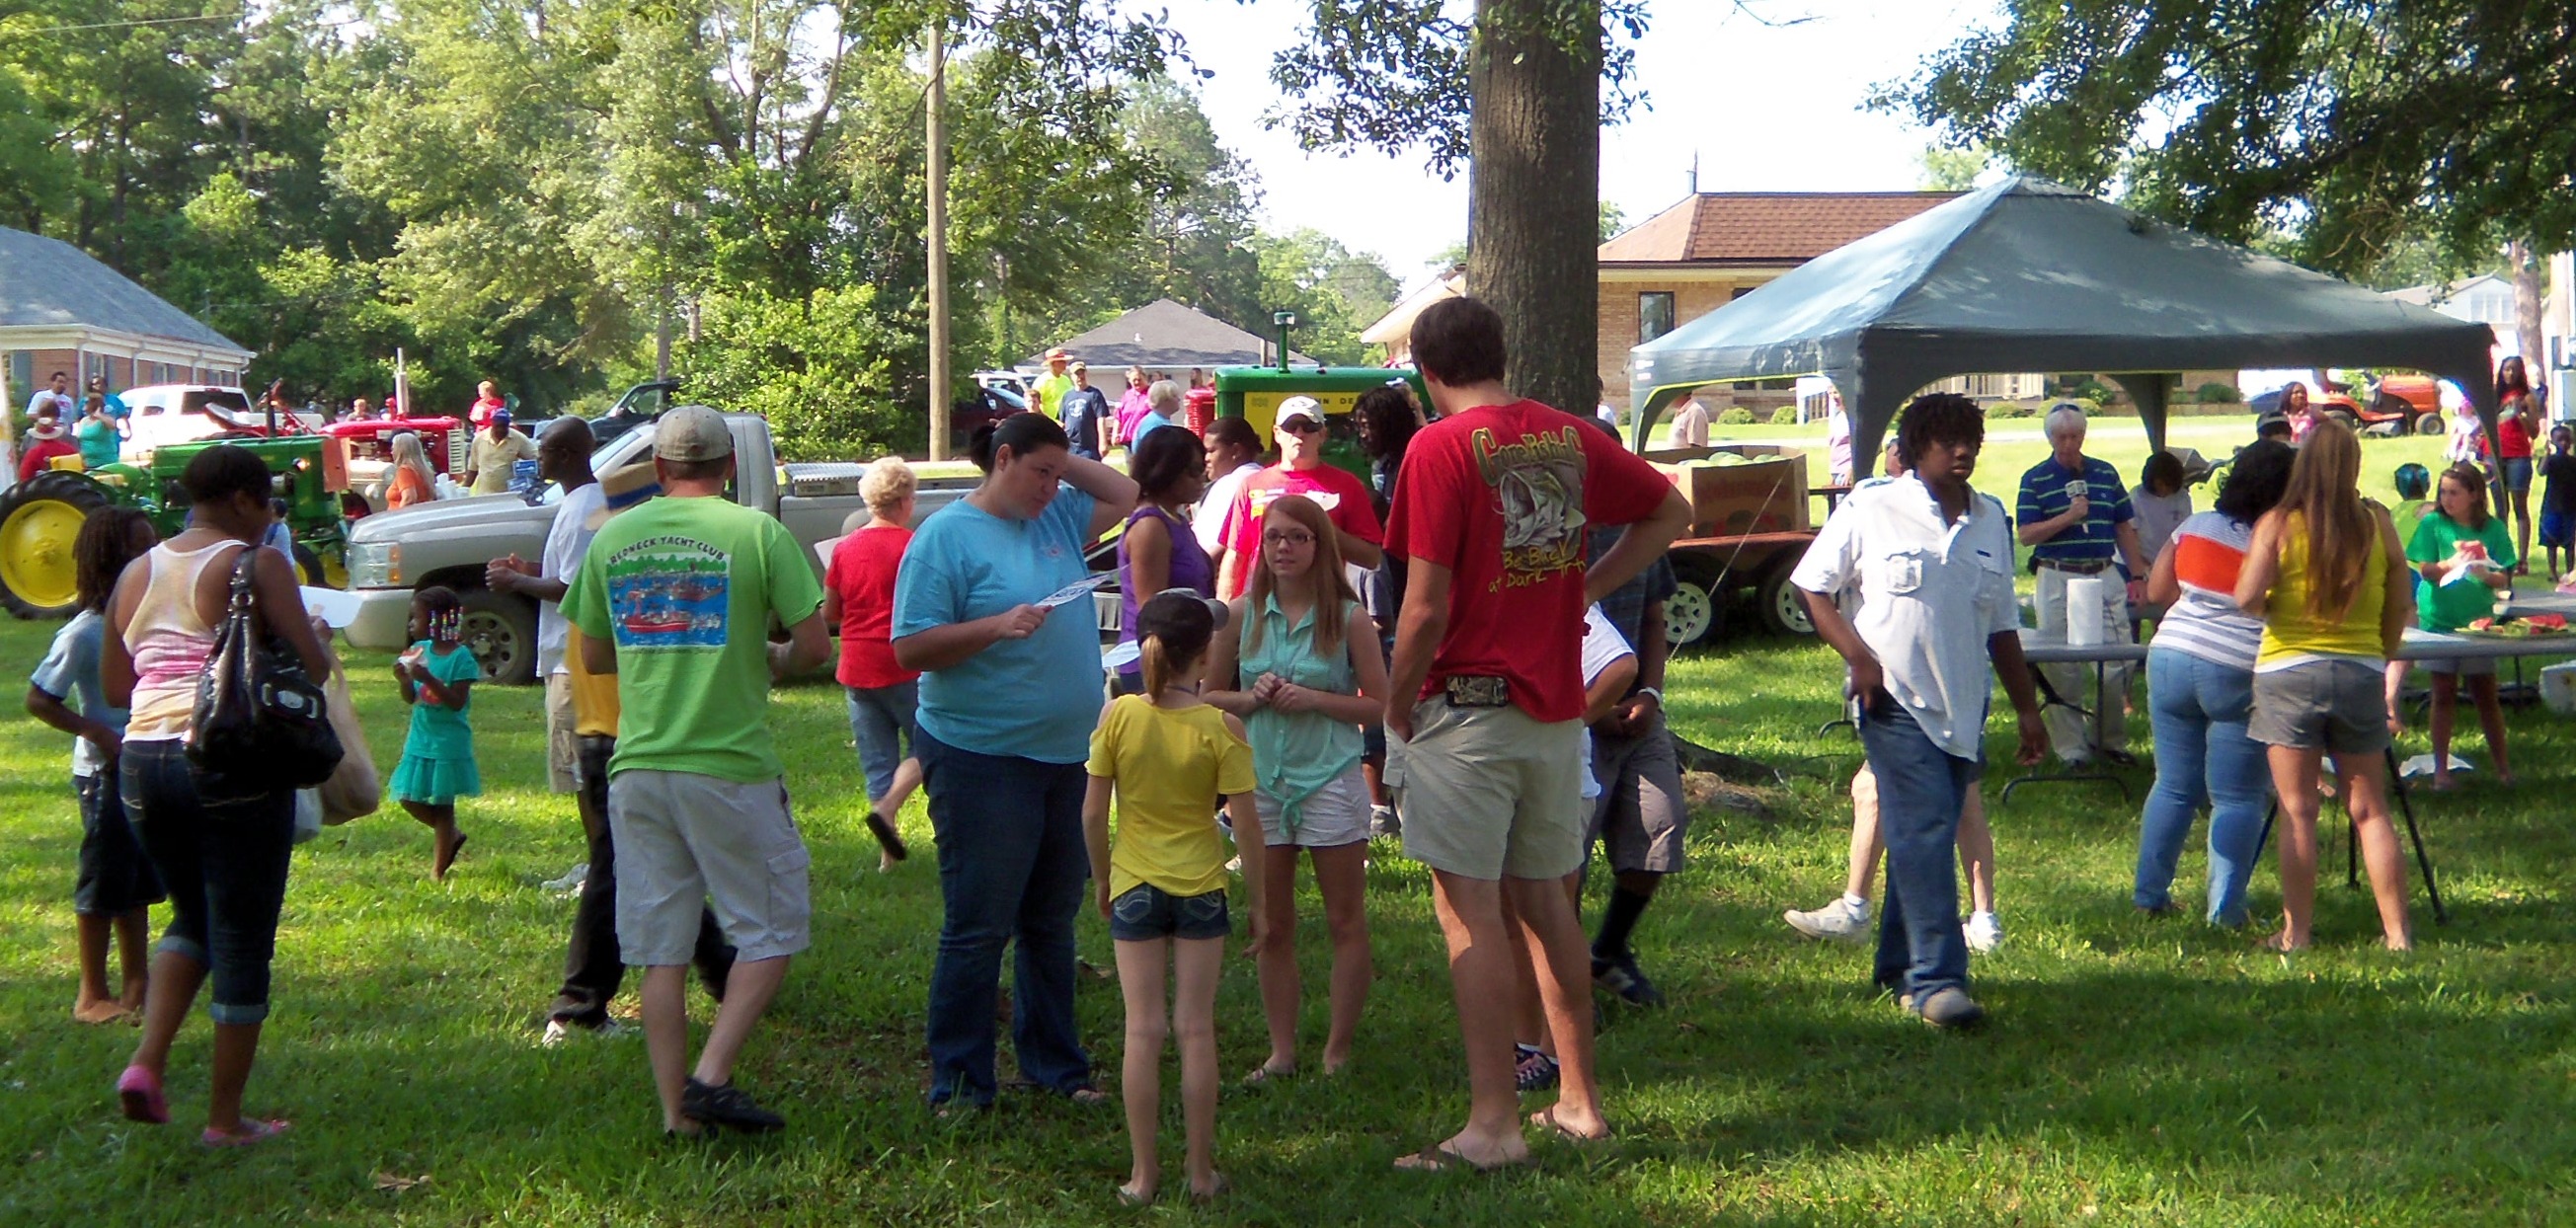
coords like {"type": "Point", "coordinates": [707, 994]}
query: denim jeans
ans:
{"type": "Point", "coordinates": [2203, 757]}
{"type": "Point", "coordinates": [1920, 791]}
{"type": "Point", "coordinates": [881, 721]}
{"type": "Point", "coordinates": [1012, 868]}
{"type": "Point", "coordinates": [594, 966]}
{"type": "Point", "coordinates": [221, 850]}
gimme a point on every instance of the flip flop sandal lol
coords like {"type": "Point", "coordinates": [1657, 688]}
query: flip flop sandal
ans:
{"type": "Point", "coordinates": [139, 1090]}
{"type": "Point", "coordinates": [1087, 1094]}
{"type": "Point", "coordinates": [1547, 1117]}
{"type": "Point", "coordinates": [1130, 1198]}
{"type": "Point", "coordinates": [1223, 1188]}
{"type": "Point", "coordinates": [252, 1133]}
{"type": "Point", "coordinates": [1264, 1075]}
{"type": "Point", "coordinates": [1440, 1158]}
{"type": "Point", "coordinates": [888, 838]}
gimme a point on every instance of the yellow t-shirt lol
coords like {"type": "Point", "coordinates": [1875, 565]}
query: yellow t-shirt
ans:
{"type": "Point", "coordinates": [594, 696]}
{"type": "Point", "coordinates": [1049, 395]}
{"type": "Point", "coordinates": [1171, 765]}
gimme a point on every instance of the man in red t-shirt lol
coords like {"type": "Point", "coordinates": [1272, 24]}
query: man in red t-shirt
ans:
{"type": "Point", "coordinates": [1485, 703]}
{"type": "Point", "coordinates": [1301, 471]}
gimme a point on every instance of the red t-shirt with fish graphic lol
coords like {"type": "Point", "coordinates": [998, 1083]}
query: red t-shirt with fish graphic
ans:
{"type": "Point", "coordinates": [1501, 495]}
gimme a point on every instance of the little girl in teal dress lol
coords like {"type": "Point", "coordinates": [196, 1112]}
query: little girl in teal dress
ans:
{"type": "Point", "coordinates": [436, 677]}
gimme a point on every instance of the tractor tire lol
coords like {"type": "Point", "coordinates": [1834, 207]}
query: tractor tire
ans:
{"type": "Point", "coordinates": [1784, 609]}
{"type": "Point", "coordinates": [501, 630]}
{"type": "Point", "coordinates": [1696, 610]}
{"type": "Point", "coordinates": [38, 522]}
{"type": "Point", "coordinates": [2429, 424]}
{"type": "Point", "coordinates": [308, 568]}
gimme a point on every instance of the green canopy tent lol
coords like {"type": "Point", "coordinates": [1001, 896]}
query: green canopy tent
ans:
{"type": "Point", "coordinates": [2027, 275]}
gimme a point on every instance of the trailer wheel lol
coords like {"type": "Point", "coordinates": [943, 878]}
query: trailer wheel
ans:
{"type": "Point", "coordinates": [1691, 614]}
{"type": "Point", "coordinates": [1784, 609]}
{"type": "Point", "coordinates": [38, 521]}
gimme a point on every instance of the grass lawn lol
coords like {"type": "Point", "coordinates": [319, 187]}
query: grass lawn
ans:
{"type": "Point", "coordinates": [2135, 1071]}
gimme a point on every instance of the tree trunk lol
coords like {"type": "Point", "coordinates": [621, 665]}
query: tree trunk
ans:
{"type": "Point", "coordinates": [2526, 311]}
{"type": "Point", "coordinates": [1533, 195]}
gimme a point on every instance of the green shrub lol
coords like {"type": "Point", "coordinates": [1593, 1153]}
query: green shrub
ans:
{"type": "Point", "coordinates": [2092, 390]}
{"type": "Point", "coordinates": [2010, 409]}
{"type": "Point", "coordinates": [1786, 415]}
{"type": "Point", "coordinates": [2215, 393]}
{"type": "Point", "coordinates": [1737, 416]}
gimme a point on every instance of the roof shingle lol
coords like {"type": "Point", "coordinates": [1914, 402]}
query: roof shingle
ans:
{"type": "Point", "coordinates": [1763, 227]}
{"type": "Point", "coordinates": [47, 282]}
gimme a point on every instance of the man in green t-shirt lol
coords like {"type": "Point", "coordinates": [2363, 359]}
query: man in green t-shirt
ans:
{"type": "Point", "coordinates": [675, 598]}
{"type": "Point", "coordinates": [1047, 395]}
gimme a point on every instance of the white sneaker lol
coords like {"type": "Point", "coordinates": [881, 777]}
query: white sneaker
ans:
{"type": "Point", "coordinates": [571, 880]}
{"type": "Point", "coordinates": [557, 1031]}
{"type": "Point", "coordinates": [1985, 932]}
{"type": "Point", "coordinates": [1841, 921]}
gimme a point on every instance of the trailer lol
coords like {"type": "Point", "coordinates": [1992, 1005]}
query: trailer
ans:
{"type": "Point", "coordinates": [1750, 524]}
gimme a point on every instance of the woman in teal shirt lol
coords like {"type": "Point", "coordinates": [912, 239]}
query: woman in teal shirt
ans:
{"type": "Point", "coordinates": [1010, 690]}
{"type": "Point", "coordinates": [1299, 662]}
{"type": "Point", "coordinates": [2457, 536]}
{"type": "Point", "coordinates": [96, 434]}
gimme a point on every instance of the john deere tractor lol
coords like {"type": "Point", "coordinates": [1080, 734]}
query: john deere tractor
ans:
{"type": "Point", "coordinates": [40, 519]}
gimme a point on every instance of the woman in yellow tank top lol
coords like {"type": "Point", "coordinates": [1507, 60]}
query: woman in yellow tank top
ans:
{"type": "Point", "coordinates": [2328, 578]}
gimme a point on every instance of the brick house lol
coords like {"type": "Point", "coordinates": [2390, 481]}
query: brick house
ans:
{"type": "Point", "coordinates": [61, 310]}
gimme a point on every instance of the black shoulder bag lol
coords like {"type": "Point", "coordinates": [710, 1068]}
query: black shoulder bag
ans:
{"type": "Point", "coordinates": [259, 718]}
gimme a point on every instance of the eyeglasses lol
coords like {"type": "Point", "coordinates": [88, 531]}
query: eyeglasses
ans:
{"type": "Point", "coordinates": [1302, 425]}
{"type": "Point", "coordinates": [1289, 539]}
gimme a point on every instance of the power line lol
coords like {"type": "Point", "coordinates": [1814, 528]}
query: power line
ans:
{"type": "Point", "coordinates": [125, 25]}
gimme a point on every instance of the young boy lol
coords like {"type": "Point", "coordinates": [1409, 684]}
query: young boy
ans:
{"type": "Point", "coordinates": [2558, 499]}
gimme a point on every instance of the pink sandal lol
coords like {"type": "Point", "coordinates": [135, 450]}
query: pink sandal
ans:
{"type": "Point", "coordinates": [139, 1090]}
{"type": "Point", "coordinates": [252, 1133]}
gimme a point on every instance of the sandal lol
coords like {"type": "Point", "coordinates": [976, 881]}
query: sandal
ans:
{"type": "Point", "coordinates": [1219, 1190]}
{"type": "Point", "coordinates": [1265, 1074]}
{"type": "Point", "coordinates": [252, 1133]}
{"type": "Point", "coordinates": [1087, 1094]}
{"type": "Point", "coordinates": [1129, 1197]}
{"type": "Point", "coordinates": [1441, 1158]}
{"type": "Point", "coordinates": [888, 839]}
{"type": "Point", "coordinates": [1547, 1117]}
{"type": "Point", "coordinates": [140, 1092]}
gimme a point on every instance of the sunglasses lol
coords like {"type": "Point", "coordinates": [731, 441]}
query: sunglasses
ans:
{"type": "Point", "coordinates": [1302, 425]}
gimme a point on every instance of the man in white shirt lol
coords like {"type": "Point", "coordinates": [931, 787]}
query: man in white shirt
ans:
{"type": "Point", "coordinates": [564, 457]}
{"type": "Point", "coordinates": [1935, 558]}
{"type": "Point", "coordinates": [1690, 425]}
{"type": "Point", "coordinates": [1233, 454]}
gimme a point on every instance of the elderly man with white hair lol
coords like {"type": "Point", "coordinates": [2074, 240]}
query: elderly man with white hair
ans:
{"type": "Point", "coordinates": [2075, 516]}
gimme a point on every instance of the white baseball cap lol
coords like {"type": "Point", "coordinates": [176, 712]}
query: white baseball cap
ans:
{"type": "Point", "coordinates": [1300, 407]}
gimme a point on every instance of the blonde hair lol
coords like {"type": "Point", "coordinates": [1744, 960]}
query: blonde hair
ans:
{"type": "Point", "coordinates": [888, 483]}
{"type": "Point", "coordinates": [1333, 595]}
{"type": "Point", "coordinates": [2324, 497]}
{"type": "Point", "coordinates": [409, 454]}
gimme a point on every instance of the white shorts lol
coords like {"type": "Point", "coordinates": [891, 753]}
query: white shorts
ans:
{"type": "Point", "coordinates": [685, 841]}
{"type": "Point", "coordinates": [1336, 814]}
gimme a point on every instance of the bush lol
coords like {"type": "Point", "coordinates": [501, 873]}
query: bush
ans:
{"type": "Point", "coordinates": [2010, 409]}
{"type": "Point", "coordinates": [1737, 416]}
{"type": "Point", "coordinates": [2092, 390]}
{"type": "Point", "coordinates": [2214, 393]}
{"type": "Point", "coordinates": [1786, 415]}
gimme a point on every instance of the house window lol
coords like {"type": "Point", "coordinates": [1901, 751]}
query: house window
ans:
{"type": "Point", "coordinates": [1654, 315]}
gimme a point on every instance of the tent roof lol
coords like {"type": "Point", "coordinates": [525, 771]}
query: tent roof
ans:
{"type": "Point", "coordinates": [47, 283]}
{"type": "Point", "coordinates": [1162, 334]}
{"type": "Point", "coordinates": [2027, 275]}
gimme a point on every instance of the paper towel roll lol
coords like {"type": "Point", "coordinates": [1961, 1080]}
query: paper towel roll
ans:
{"type": "Point", "coordinates": [2083, 611]}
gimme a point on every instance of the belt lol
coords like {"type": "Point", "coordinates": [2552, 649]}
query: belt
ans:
{"type": "Point", "coordinates": [2081, 569]}
{"type": "Point", "coordinates": [1477, 691]}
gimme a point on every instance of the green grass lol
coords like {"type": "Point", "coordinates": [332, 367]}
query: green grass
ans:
{"type": "Point", "coordinates": [2135, 1072]}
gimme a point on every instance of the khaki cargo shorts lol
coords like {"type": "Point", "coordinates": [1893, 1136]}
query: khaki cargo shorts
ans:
{"type": "Point", "coordinates": [1489, 792]}
{"type": "Point", "coordinates": [685, 841]}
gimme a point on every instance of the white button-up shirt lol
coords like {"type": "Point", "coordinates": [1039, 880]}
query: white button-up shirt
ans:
{"type": "Point", "coordinates": [1935, 591]}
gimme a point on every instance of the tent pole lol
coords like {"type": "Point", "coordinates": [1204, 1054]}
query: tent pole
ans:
{"type": "Point", "coordinates": [2146, 389]}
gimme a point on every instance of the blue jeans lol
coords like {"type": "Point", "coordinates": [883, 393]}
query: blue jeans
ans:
{"type": "Point", "coordinates": [1012, 867]}
{"type": "Point", "coordinates": [2203, 757]}
{"type": "Point", "coordinates": [881, 720]}
{"type": "Point", "coordinates": [221, 851]}
{"type": "Point", "coordinates": [1920, 791]}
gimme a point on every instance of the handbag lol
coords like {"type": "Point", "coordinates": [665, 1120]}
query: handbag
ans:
{"type": "Point", "coordinates": [259, 719]}
{"type": "Point", "coordinates": [354, 790]}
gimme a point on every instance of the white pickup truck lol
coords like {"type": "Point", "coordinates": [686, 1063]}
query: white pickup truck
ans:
{"type": "Point", "coordinates": [449, 542]}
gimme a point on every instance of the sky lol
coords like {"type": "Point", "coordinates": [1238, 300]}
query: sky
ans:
{"type": "Point", "coordinates": [1766, 107]}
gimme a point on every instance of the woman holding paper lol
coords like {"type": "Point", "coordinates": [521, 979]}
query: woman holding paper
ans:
{"type": "Point", "coordinates": [1010, 690]}
{"type": "Point", "coordinates": [2462, 556]}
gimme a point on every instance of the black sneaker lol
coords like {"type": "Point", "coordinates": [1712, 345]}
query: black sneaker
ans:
{"type": "Point", "coordinates": [1621, 977]}
{"type": "Point", "coordinates": [727, 1106]}
{"type": "Point", "coordinates": [1534, 1070]}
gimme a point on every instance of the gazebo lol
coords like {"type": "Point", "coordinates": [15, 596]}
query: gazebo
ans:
{"type": "Point", "coordinates": [2028, 275]}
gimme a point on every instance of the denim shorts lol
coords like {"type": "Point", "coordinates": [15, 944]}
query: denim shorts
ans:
{"type": "Point", "coordinates": [1147, 912]}
{"type": "Point", "coordinates": [2332, 705]}
{"type": "Point", "coordinates": [2516, 475]}
{"type": "Point", "coordinates": [114, 877]}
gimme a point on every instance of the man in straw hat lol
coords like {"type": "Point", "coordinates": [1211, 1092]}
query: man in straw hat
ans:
{"type": "Point", "coordinates": [675, 598]}
{"type": "Point", "coordinates": [1047, 395]}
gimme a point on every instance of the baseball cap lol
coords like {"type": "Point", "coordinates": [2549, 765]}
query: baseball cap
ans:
{"type": "Point", "coordinates": [1300, 407]}
{"type": "Point", "coordinates": [692, 433]}
{"type": "Point", "coordinates": [501, 415]}
{"type": "Point", "coordinates": [624, 487]}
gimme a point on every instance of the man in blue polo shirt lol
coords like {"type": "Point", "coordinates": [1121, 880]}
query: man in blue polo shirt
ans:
{"type": "Point", "coordinates": [2074, 515]}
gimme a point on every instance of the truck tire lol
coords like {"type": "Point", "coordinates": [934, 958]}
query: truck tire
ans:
{"type": "Point", "coordinates": [2429, 424]}
{"type": "Point", "coordinates": [38, 522]}
{"type": "Point", "coordinates": [1784, 610]}
{"type": "Point", "coordinates": [1693, 614]}
{"type": "Point", "coordinates": [501, 630]}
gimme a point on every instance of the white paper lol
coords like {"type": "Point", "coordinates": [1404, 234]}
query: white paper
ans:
{"type": "Point", "coordinates": [1118, 656]}
{"type": "Point", "coordinates": [1077, 590]}
{"type": "Point", "coordinates": [338, 609]}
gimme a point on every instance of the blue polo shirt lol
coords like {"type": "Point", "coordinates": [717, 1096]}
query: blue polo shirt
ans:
{"type": "Point", "coordinates": [2044, 496]}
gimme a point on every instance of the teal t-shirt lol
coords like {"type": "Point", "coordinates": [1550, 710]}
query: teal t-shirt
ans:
{"type": "Point", "coordinates": [1038, 697]}
{"type": "Point", "coordinates": [686, 589]}
{"type": "Point", "coordinates": [438, 731]}
{"type": "Point", "coordinates": [2449, 607]}
{"type": "Point", "coordinates": [98, 442]}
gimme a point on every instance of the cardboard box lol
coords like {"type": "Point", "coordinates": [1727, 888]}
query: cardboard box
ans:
{"type": "Point", "coordinates": [1764, 496]}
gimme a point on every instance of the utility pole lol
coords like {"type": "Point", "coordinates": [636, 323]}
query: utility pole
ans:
{"type": "Point", "coordinates": [938, 140]}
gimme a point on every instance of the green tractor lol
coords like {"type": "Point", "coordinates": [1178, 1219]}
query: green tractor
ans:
{"type": "Point", "coordinates": [40, 519]}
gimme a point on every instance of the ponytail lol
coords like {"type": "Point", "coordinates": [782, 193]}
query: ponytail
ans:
{"type": "Point", "coordinates": [1172, 633]}
{"type": "Point", "coordinates": [1158, 663]}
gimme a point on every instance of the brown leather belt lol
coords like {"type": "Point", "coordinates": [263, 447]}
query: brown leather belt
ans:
{"type": "Point", "coordinates": [2081, 569]}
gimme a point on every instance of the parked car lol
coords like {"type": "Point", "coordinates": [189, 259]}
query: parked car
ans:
{"type": "Point", "coordinates": [448, 542]}
{"type": "Point", "coordinates": [161, 414]}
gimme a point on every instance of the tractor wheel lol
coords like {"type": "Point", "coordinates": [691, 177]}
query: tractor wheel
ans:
{"type": "Point", "coordinates": [308, 568]}
{"type": "Point", "coordinates": [502, 632]}
{"type": "Point", "coordinates": [1784, 609]}
{"type": "Point", "coordinates": [38, 522]}
{"type": "Point", "coordinates": [2429, 424]}
{"type": "Point", "coordinates": [1692, 614]}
